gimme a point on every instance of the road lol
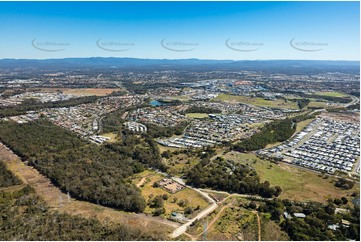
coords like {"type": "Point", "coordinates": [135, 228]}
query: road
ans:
{"type": "Point", "coordinates": [235, 195]}
{"type": "Point", "coordinates": [183, 228]}
{"type": "Point", "coordinates": [355, 100]}
{"type": "Point", "coordinates": [259, 225]}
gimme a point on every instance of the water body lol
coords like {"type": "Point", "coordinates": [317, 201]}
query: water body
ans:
{"type": "Point", "coordinates": [156, 103]}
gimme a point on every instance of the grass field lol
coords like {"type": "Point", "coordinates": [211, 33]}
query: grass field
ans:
{"type": "Point", "coordinates": [83, 91]}
{"type": "Point", "coordinates": [197, 115]}
{"type": "Point", "coordinates": [257, 101]}
{"type": "Point", "coordinates": [192, 198]}
{"type": "Point", "coordinates": [273, 145]}
{"type": "Point", "coordinates": [316, 104]}
{"type": "Point", "coordinates": [331, 94]}
{"type": "Point", "coordinates": [302, 124]}
{"type": "Point", "coordinates": [163, 148]}
{"type": "Point", "coordinates": [112, 136]}
{"type": "Point", "coordinates": [297, 183]}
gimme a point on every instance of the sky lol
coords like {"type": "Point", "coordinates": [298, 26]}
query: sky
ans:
{"type": "Point", "coordinates": [179, 30]}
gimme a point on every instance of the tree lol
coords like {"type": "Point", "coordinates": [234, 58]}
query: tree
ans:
{"type": "Point", "coordinates": [159, 211]}
{"type": "Point", "coordinates": [337, 201]}
{"type": "Point", "coordinates": [276, 215]}
{"type": "Point", "coordinates": [188, 210]}
{"type": "Point", "coordinates": [166, 154]}
{"type": "Point", "coordinates": [182, 203]}
{"type": "Point", "coordinates": [330, 208]}
{"type": "Point", "coordinates": [278, 191]}
{"type": "Point", "coordinates": [344, 200]}
{"type": "Point", "coordinates": [157, 202]}
{"type": "Point", "coordinates": [252, 205]}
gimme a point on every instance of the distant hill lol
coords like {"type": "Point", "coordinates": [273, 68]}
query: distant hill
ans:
{"type": "Point", "coordinates": [285, 66]}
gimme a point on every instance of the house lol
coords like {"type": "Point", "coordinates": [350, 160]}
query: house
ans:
{"type": "Point", "coordinates": [287, 215]}
{"type": "Point", "coordinates": [333, 226]}
{"type": "Point", "coordinates": [345, 223]}
{"type": "Point", "coordinates": [341, 210]}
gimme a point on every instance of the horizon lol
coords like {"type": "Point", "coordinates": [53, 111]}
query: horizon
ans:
{"type": "Point", "coordinates": [181, 30]}
{"type": "Point", "coordinates": [165, 59]}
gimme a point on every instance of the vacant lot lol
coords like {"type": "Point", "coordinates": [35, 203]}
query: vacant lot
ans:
{"type": "Point", "coordinates": [197, 115]}
{"type": "Point", "coordinates": [234, 223]}
{"type": "Point", "coordinates": [172, 204]}
{"type": "Point", "coordinates": [279, 103]}
{"type": "Point", "coordinates": [296, 183]}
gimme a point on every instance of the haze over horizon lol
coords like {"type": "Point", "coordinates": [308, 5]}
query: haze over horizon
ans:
{"type": "Point", "coordinates": [174, 30]}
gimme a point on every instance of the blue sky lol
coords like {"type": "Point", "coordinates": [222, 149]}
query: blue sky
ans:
{"type": "Point", "coordinates": [177, 30]}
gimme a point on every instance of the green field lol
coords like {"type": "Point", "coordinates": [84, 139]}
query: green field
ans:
{"type": "Point", "coordinates": [297, 183]}
{"type": "Point", "coordinates": [316, 104]}
{"type": "Point", "coordinates": [331, 94]}
{"type": "Point", "coordinates": [197, 115]}
{"type": "Point", "coordinates": [257, 101]}
{"type": "Point", "coordinates": [302, 124]}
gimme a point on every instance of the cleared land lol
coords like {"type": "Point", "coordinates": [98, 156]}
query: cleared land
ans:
{"type": "Point", "coordinates": [112, 136]}
{"type": "Point", "coordinates": [84, 91]}
{"type": "Point", "coordinates": [197, 115]}
{"type": "Point", "coordinates": [234, 223]}
{"type": "Point", "coordinates": [257, 101]}
{"type": "Point", "coordinates": [191, 198]}
{"type": "Point", "coordinates": [297, 183]}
